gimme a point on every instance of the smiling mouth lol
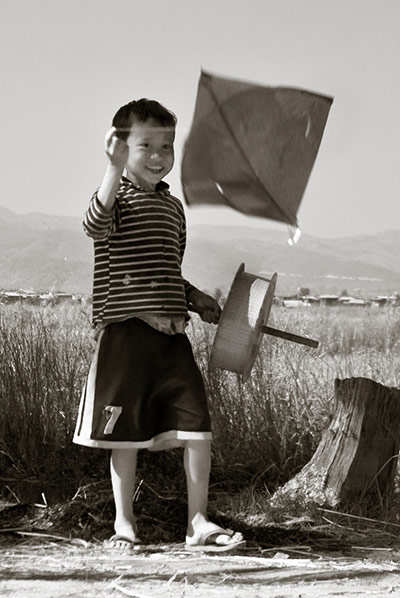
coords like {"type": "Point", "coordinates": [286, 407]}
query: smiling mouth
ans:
{"type": "Point", "coordinates": [155, 169]}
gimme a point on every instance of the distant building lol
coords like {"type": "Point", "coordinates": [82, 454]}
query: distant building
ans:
{"type": "Point", "coordinates": [10, 297]}
{"type": "Point", "coordinates": [293, 303]}
{"type": "Point", "coordinates": [352, 301]}
{"type": "Point", "coordinates": [31, 297]}
{"type": "Point", "coordinates": [311, 300]}
{"type": "Point", "coordinates": [329, 299]}
{"type": "Point", "coordinates": [380, 300]}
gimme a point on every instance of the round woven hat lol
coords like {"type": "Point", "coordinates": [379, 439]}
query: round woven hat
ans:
{"type": "Point", "coordinates": [239, 331]}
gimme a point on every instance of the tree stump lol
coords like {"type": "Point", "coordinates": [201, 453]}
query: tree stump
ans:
{"type": "Point", "coordinates": [356, 460]}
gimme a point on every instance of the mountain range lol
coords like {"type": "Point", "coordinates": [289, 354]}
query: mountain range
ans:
{"type": "Point", "coordinates": [43, 252]}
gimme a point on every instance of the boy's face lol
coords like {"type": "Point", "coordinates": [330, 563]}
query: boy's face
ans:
{"type": "Point", "coordinates": [151, 153]}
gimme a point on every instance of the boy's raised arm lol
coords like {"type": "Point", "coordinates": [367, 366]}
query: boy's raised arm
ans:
{"type": "Point", "coordinates": [98, 220]}
{"type": "Point", "coordinates": [117, 151]}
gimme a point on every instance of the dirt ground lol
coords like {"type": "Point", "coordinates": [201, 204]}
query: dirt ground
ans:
{"type": "Point", "coordinates": [49, 569]}
{"type": "Point", "coordinates": [53, 553]}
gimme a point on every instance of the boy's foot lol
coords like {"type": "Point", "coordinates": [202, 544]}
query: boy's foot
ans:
{"type": "Point", "coordinates": [125, 537]}
{"type": "Point", "coordinates": [122, 542]}
{"type": "Point", "coordinates": [215, 539]}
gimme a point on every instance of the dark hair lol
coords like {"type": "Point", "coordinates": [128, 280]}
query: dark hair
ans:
{"type": "Point", "coordinates": [142, 110]}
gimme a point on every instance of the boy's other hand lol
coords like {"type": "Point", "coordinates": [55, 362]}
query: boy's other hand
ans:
{"type": "Point", "coordinates": [205, 305]}
{"type": "Point", "coordinates": [116, 149]}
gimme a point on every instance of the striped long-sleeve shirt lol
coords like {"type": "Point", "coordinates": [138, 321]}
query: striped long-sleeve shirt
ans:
{"type": "Point", "coordinates": [138, 251]}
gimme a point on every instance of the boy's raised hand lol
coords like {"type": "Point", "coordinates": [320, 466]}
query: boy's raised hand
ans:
{"type": "Point", "coordinates": [116, 149]}
{"type": "Point", "coordinates": [205, 305]}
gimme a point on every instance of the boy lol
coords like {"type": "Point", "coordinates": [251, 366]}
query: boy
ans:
{"type": "Point", "coordinates": [144, 389]}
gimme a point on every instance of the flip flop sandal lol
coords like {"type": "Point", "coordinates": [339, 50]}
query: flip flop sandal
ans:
{"type": "Point", "coordinates": [206, 542]}
{"type": "Point", "coordinates": [130, 544]}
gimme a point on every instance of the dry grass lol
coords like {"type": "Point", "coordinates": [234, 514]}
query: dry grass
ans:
{"type": "Point", "coordinates": [265, 430]}
{"type": "Point", "coordinates": [44, 357]}
{"type": "Point", "coordinates": [273, 422]}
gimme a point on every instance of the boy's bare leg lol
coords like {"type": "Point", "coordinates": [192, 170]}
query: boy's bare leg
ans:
{"type": "Point", "coordinates": [123, 478]}
{"type": "Point", "coordinates": [197, 461]}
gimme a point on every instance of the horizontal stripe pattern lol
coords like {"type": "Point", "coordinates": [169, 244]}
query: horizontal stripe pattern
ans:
{"type": "Point", "coordinates": [138, 251]}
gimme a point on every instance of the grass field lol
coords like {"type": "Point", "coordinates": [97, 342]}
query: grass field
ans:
{"type": "Point", "coordinates": [264, 430]}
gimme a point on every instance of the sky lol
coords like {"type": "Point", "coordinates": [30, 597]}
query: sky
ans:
{"type": "Point", "coordinates": [67, 65]}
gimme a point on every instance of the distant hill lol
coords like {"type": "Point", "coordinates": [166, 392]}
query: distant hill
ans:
{"type": "Point", "coordinates": [44, 252]}
{"type": "Point", "coordinates": [362, 264]}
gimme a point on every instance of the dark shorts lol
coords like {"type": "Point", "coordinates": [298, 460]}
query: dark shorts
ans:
{"type": "Point", "coordinates": [144, 390]}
